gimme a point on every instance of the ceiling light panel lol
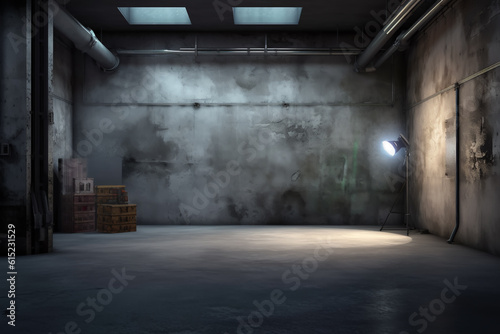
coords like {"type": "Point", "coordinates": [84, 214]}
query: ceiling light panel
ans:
{"type": "Point", "coordinates": [155, 15]}
{"type": "Point", "coordinates": [267, 15]}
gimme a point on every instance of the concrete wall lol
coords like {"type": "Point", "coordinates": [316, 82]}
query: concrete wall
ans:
{"type": "Point", "coordinates": [63, 101]}
{"type": "Point", "coordinates": [240, 140]}
{"type": "Point", "coordinates": [13, 116]}
{"type": "Point", "coordinates": [465, 40]}
{"type": "Point", "coordinates": [62, 129]}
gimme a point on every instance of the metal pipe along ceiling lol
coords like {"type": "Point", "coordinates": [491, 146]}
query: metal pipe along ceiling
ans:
{"type": "Point", "coordinates": [405, 36]}
{"type": "Point", "coordinates": [394, 22]}
{"type": "Point", "coordinates": [84, 39]}
{"type": "Point", "coordinates": [244, 52]}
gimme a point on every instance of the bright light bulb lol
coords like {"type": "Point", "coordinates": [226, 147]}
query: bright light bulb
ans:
{"type": "Point", "coordinates": [389, 148]}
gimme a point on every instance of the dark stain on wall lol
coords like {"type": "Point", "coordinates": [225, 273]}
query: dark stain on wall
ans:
{"type": "Point", "coordinates": [249, 77]}
{"type": "Point", "coordinates": [235, 210]}
{"type": "Point", "coordinates": [160, 171]}
{"type": "Point", "coordinates": [140, 145]}
{"type": "Point", "coordinates": [291, 207]}
{"type": "Point", "coordinates": [296, 133]}
{"type": "Point", "coordinates": [481, 153]}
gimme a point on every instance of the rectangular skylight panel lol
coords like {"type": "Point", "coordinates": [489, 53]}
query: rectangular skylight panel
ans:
{"type": "Point", "coordinates": [267, 15]}
{"type": "Point", "coordinates": [155, 15]}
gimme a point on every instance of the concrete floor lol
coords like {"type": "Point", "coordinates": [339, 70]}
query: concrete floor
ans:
{"type": "Point", "coordinates": [256, 279]}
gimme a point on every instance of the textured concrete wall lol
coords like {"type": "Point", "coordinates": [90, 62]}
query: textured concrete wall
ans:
{"type": "Point", "coordinates": [13, 104]}
{"type": "Point", "coordinates": [62, 102]}
{"type": "Point", "coordinates": [13, 117]}
{"type": "Point", "coordinates": [240, 140]}
{"type": "Point", "coordinates": [62, 129]}
{"type": "Point", "coordinates": [14, 128]}
{"type": "Point", "coordinates": [465, 40]}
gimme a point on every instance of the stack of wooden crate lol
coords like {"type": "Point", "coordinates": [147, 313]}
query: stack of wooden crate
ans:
{"type": "Point", "coordinates": [114, 214]}
{"type": "Point", "coordinates": [77, 207]}
{"type": "Point", "coordinates": [69, 170]}
{"type": "Point", "coordinates": [111, 195]}
{"type": "Point", "coordinates": [79, 213]}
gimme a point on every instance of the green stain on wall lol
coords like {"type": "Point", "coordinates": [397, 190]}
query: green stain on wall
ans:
{"type": "Point", "coordinates": [344, 175]}
{"type": "Point", "coordinates": [354, 165]}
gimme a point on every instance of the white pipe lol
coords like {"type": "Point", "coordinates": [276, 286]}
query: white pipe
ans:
{"type": "Point", "coordinates": [84, 39]}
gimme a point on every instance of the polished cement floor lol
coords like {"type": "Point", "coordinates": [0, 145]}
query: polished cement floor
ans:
{"type": "Point", "coordinates": [256, 279]}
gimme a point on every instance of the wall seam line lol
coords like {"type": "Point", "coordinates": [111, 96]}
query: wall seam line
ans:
{"type": "Point", "coordinates": [460, 82]}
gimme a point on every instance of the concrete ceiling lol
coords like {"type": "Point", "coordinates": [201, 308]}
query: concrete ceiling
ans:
{"type": "Point", "coordinates": [317, 15]}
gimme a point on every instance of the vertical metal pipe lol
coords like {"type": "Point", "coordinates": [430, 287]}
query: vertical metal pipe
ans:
{"type": "Point", "coordinates": [457, 163]}
{"type": "Point", "coordinates": [407, 186]}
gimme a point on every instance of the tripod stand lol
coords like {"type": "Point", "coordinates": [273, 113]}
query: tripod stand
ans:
{"type": "Point", "coordinates": [407, 211]}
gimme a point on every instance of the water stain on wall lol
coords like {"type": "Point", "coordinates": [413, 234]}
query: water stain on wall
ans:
{"type": "Point", "coordinates": [481, 156]}
{"type": "Point", "coordinates": [291, 207]}
{"type": "Point", "coordinates": [236, 210]}
{"type": "Point", "coordinates": [140, 145]}
{"type": "Point", "coordinates": [297, 133]}
{"type": "Point", "coordinates": [249, 77]}
{"type": "Point", "coordinates": [158, 171]}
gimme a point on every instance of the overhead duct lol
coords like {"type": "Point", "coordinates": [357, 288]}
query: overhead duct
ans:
{"type": "Point", "coordinates": [393, 23]}
{"type": "Point", "coordinates": [405, 36]}
{"type": "Point", "coordinates": [84, 39]}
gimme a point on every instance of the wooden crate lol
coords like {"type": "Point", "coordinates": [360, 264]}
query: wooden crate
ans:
{"type": "Point", "coordinates": [88, 226]}
{"type": "Point", "coordinates": [109, 190]}
{"type": "Point", "coordinates": [106, 199]}
{"type": "Point", "coordinates": [112, 198]}
{"type": "Point", "coordinates": [116, 209]}
{"type": "Point", "coordinates": [83, 207]}
{"type": "Point", "coordinates": [83, 185]}
{"type": "Point", "coordinates": [77, 213]}
{"type": "Point", "coordinates": [84, 199]}
{"type": "Point", "coordinates": [116, 228]}
{"type": "Point", "coordinates": [83, 217]}
{"type": "Point", "coordinates": [116, 219]}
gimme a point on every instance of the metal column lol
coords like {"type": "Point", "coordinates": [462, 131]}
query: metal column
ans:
{"type": "Point", "coordinates": [41, 185]}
